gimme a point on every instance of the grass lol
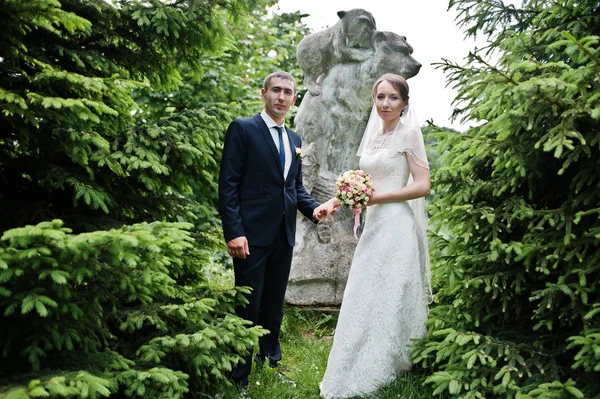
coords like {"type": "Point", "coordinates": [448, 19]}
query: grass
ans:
{"type": "Point", "coordinates": [306, 340]}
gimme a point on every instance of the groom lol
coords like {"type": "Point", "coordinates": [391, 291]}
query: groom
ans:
{"type": "Point", "coordinates": [260, 189]}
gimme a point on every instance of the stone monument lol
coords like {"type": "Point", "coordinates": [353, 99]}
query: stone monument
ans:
{"type": "Point", "coordinates": [340, 65]}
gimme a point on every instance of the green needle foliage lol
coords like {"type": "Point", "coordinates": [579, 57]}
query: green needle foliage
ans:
{"type": "Point", "coordinates": [70, 147]}
{"type": "Point", "coordinates": [125, 312]}
{"type": "Point", "coordinates": [264, 43]}
{"type": "Point", "coordinates": [104, 280]}
{"type": "Point", "coordinates": [516, 248]}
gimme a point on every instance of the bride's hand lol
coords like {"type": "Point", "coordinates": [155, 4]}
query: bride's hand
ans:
{"type": "Point", "coordinates": [323, 211]}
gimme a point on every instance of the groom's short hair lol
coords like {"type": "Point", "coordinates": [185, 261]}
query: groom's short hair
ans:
{"type": "Point", "coordinates": [280, 75]}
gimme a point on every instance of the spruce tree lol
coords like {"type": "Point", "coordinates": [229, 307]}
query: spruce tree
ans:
{"type": "Point", "coordinates": [104, 273]}
{"type": "Point", "coordinates": [516, 241]}
{"type": "Point", "coordinates": [265, 43]}
{"type": "Point", "coordinates": [70, 148]}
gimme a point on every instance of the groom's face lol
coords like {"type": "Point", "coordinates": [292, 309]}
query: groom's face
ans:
{"type": "Point", "coordinates": [278, 97]}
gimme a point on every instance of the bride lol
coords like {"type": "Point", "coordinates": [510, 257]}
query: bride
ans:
{"type": "Point", "coordinates": [386, 296]}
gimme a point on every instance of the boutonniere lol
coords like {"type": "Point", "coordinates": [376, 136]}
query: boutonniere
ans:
{"type": "Point", "coordinates": [299, 152]}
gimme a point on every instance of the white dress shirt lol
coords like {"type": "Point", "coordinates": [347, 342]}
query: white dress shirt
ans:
{"type": "Point", "coordinates": [286, 142]}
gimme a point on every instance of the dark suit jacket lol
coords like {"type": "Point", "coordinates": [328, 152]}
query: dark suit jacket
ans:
{"type": "Point", "coordinates": [254, 199]}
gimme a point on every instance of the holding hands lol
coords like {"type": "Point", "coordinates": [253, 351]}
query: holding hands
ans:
{"type": "Point", "coordinates": [354, 188]}
{"type": "Point", "coordinates": [239, 248]}
{"type": "Point", "coordinates": [323, 211]}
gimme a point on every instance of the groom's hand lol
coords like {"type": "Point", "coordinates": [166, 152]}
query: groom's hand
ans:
{"type": "Point", "coordinates": [320, 213]}
{"type": "Point", "coordinates": [238, 247]}
{"type": "Point", "coordinates": [323, 211]}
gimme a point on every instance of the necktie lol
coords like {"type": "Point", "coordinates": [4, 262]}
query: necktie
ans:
{"type": "Point", "coordinates": [281, 148]}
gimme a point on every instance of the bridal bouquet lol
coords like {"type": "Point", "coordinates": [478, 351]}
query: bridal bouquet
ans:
{"type": "Point", "coordinates": [354, 188]}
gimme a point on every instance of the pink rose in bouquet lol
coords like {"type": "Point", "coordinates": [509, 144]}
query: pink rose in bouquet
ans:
{"type": "Point", "coordinates": [354, 188]}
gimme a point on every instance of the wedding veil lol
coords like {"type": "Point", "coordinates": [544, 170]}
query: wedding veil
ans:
{"type": "Point", "coordinates": [407, 137]}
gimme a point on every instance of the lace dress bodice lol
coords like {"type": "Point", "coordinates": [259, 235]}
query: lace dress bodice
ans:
{"type": "Point", "coordinates": [389, 169]}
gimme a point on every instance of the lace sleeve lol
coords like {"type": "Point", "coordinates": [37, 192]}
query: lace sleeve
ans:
{"type": "Point", "coordinates": [409, 138]}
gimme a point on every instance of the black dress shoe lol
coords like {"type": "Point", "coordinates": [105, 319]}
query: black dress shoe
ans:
{"type": "Point", "coordinates": [261, 360]}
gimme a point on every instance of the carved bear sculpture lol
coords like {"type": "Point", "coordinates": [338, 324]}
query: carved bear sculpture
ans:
{"type": "Point", "coordinates": [349, 40]}
{"type": "Point", "coordinates": [335, 120]}
{"type": "Point", "coordinates": [331, 125]}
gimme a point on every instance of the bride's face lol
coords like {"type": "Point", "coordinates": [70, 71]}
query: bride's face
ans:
{"type": "Point", "coordinates": [388, 102]}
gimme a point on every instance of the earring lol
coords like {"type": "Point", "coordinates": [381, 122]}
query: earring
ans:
{"type": "Point", "coordinates": [405, 110]}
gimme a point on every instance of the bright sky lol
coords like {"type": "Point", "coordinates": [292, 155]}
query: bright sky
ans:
{"type": "Point", "coordinates": [429, 28]}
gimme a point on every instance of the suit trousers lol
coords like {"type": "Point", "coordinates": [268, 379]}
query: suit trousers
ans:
{"type": "Point", "coordinates": [266, 270]}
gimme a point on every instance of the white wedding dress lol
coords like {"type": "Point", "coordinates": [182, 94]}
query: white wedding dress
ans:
{"type": "Point", "coordinates": [385, 300]}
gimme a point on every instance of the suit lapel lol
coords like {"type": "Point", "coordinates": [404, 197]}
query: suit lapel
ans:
{"type": "Point", "coordinates": [264, 131]}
